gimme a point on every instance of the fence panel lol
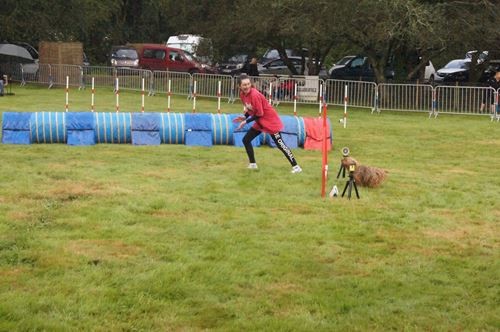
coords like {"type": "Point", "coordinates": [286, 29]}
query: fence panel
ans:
{"type": "Point", "coordinates": [103, 76]}
{"type": "Point", "coordinates": [464, 100]}
{"type": "Point", "coordinates": [359, 93]}
{"type": "Point", "coordinates": [207, 85]}
{"type": "Point", "coordinates": [180, 83]}
{"type": "Point", "coordinates": [405, 97]}
{"type": "Point", "coordinates": [305, 89]}
{"type": "Point", "coordinates": [59, 73]}
{"type": "Point", "coordinates": [261, 83]}
{"type": "Point", "coordinates": [131, 79]}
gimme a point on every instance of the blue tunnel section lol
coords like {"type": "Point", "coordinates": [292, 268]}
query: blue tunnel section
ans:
{"type": "Point", "coordinates": [172, 127]}
{"type": "Point", "coordinates": [87, 128]}
{"type": "Point", "coordinates": [48, 127]}
{"type": "Point", "coordinates": [113, 128]}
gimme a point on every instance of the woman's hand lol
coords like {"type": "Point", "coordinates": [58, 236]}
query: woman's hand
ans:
{"type": "Point", "coordinates": [239, 119]}
{"type": "Point", "coordinates": [242, 124]}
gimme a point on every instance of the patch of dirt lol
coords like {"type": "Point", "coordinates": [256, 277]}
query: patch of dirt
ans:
{"type": "Point", "coordinates": [98, 250]}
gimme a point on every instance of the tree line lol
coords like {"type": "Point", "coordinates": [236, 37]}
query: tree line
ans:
{"type": "Point", "coordinates": [408, 32]}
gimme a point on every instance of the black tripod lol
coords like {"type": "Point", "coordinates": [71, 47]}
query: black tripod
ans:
{"type": "Point", "coordinates": [341, 170]}
{"type": "Point", "coordinates": [350, 183]}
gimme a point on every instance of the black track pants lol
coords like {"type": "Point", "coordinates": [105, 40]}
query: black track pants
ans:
{"type": "Point", "coordinates": [278, 140]}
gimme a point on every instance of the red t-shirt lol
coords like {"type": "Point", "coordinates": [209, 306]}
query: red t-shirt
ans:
{"type": "Point", "coordinates": [256, 104]}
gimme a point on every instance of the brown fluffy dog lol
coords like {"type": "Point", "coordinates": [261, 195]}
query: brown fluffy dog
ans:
{"type": "Point", "coordinates": [366, 176]}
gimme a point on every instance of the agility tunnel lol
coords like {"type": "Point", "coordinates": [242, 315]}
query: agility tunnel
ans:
{"type": "Point", "coordinates": [195, 129]}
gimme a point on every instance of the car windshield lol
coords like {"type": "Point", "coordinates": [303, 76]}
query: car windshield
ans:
{"type": "Point", "coordinates": [190, 57]}
{"type": "Point", "coordinates": [238, 58]}
{"type": "Point", "coordinates": [344, 60]}
{"type": "Point", "coordinates": [458, 64]}
{"type": "Point", "coordinates": [125, 53]}
{"type": "Point", "coordinates": [273, 53]}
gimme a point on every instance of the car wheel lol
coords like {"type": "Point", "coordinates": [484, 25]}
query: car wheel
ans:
{"type": "Point", "coordinates": [193, 71]}
{"type": "Point", "coordinates": [431, 80]}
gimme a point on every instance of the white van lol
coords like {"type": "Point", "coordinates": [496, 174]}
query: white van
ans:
{"type": "Point", "coordinates": [198, 46]}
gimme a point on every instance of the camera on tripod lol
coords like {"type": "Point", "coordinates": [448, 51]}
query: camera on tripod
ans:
{"type": "Point", "coordinates": [348, 164]}
{"type": "Point", "coordinates": [345, 151]}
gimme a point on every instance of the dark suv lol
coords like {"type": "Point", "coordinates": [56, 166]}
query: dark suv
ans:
{"type": "Point", "coordinates": [233, 65]}
{"type": "Point", "coordinates": [356, 68]}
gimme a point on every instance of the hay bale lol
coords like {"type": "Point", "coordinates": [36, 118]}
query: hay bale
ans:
{"type": "Point", "coordinates": [366, 176]}
{"type": "Point", "coordinates": [61, 53]}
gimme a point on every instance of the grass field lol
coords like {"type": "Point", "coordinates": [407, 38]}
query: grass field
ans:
{"type": "Point", "coordinates": [170, 237]}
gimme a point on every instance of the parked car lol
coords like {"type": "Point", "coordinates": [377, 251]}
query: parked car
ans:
{"type": "Point", "coordinates": [454, 71]}
{"type": "Point", "coordinates": [494, 67]}
{"type": "Point", "coordinates": [198, 46]}
{"type": "Point", "coordinates": [429, 73]}
{"type": "Point", "coordinates": [124, 57]}
{"type": "Point", "coordinates": [459, 71]}
{"type": "Point", "coordinates": [278, 67]}
{"type": "Point", "coordinates": [273, 54]}
{"type": "Point", "coordinates": [483, 56]}
{"type": "Point", "coordinates": [356, 68]}
{"type": "Point", "coordinates": [161, 57]}
{"type": "Point", "coordinates": [233, 65]}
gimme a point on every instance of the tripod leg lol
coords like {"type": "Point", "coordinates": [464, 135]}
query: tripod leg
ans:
{"type": "Point", "coordinates": [340, 170]}
{"type": "Point", "coordinates": [356, 189]}
{"type": "Point", "coordinates": [350, 189]}
{"type": "Point", "coordinates": [345, 188]}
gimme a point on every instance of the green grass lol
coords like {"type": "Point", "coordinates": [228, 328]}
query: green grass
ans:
{"type": "Point", "coordinates": [170, 237]}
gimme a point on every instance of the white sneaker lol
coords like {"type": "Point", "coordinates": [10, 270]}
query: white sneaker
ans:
{"type": "Point", "coordinates": [252, 166]}
{"type": "Point", "coordinates": [296, 169]}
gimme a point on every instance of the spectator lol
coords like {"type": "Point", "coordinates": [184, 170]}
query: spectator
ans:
{"type": "Point", "coordinates": [251, 68]}
{"type": "Point", "coordinates": [493, 83]}
{"type": "Point", "coordinates": [3, 82]}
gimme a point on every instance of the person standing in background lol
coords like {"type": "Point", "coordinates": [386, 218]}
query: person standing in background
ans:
{"type": "Point", "coordinates": [493, 83]}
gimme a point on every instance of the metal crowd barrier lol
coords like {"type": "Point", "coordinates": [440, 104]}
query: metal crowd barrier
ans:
{"type": "Point", "coordinates": [104, 77]}
{"type": "Point", "coordinates": [261, 83]}
{"type": "Point", "coordinates": [131, 79]}
{"type": "Point", "coordinates": [207, 85]}
{"type": "Point", "coordinates": [302, 89]}
{"type": "Point", "coordinates": [405, 97]}
{"type": "Point", "coordinates": [299, 89]}
{"type": "Point", "coordinates": [463, 100]}
{"type": "Point", "coordinates": [171, 82]}
{"type": "Point", "coordinates": [36, 73]}
{"type": "Point", "coordinates": [59, 73]}
{"type": "Point", "coordinates": [359, 93]}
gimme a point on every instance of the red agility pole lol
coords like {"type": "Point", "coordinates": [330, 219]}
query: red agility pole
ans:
{"type": "Point", "coordinates": [324, 174]}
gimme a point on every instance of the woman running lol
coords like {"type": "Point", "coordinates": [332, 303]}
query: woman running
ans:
{"type": "Point", "coordinates": [258, 110]}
